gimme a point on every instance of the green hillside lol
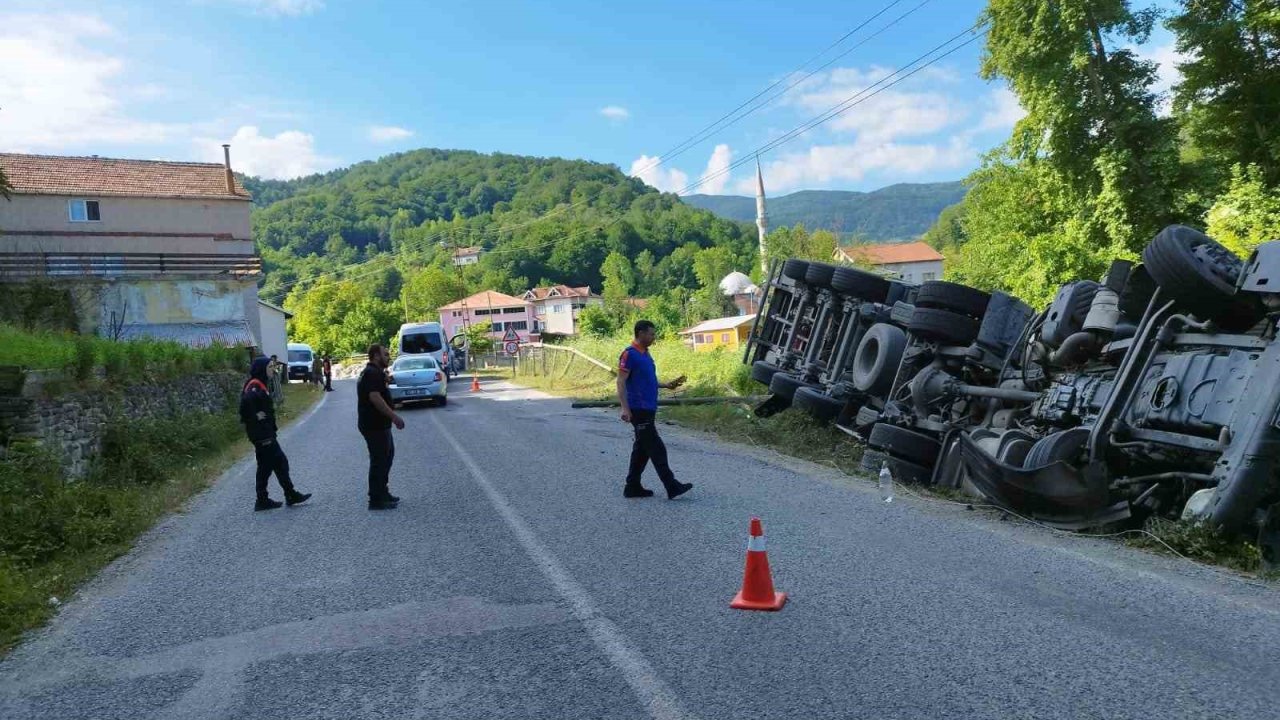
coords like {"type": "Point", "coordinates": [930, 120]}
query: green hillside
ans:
{"type": "Point", "coordinates": [896, 212]}
{"type": "Point", "coordinates": [373, 243]}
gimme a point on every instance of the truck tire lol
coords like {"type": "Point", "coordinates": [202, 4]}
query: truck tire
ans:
{"type": "Point", "coordinates": [875, 363]}
{"type": "Point", "coordinates": [817, 404]}
{"type": "Point", "coordinates": [906, 444]}
{"type": "Point", "coordinates": [943, 326]}
{"type": "Point", "coordinates": [819, 275]}
{"type": "Point", "coordinates": [784, 385]}
{"type": "Point", "coordinates": [795, 269]}
{"type": "Point", "coordinates": [942, 295]}
{"type": "Point", "coordinates": [1061, 446]}
{"type": "Point", "coordinates": [1201, 275]}
{"type": "Point", "coordinates": [763, 372]}
{"type": "Point", "coordinates": [859, 284]}
{"type": "Point", "coordinates": [903, 471]}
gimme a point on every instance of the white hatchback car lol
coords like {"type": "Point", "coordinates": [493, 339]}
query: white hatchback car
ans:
{"type": "Point", "coordinates": [418, 378]}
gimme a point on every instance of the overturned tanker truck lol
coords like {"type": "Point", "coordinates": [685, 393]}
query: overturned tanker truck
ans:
{"type": "Point", "coordinates": [1153, 391]}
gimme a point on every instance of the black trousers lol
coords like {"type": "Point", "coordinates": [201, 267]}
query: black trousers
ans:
{"type": "Point", "coordinates": [271, 459]}
{"type": "Point", "coordinates": [382, 452]}
{"type": "Point", "coordinates": [328, 381]}
{"type": "Point", "coordinates": [648, 447]}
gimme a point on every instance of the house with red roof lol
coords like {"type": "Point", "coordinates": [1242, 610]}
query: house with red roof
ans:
{"type": "Point", "coordinates": [507, 313]}
{"type": "Point", "coordinates": [915, 262]}
{"type": "Point", "coordinates": [153, 248]}
{"type": "Point", "coordinates": [556, 308]}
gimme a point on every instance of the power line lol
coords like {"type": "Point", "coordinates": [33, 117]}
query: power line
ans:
{"type": "Point", "coordinates": [840, 108]}
{"type": "Point", "coordinates": [676, 150]}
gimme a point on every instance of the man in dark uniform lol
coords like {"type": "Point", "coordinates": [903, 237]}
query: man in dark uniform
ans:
{"type": "Point", "coordinates": [375, 418]}
{"type": "Point", "coordinates": [328, 374]}
{"type": "Point", "coordinates": [258, 413]}
{"type": "Point", "coordinates": [638, 394]}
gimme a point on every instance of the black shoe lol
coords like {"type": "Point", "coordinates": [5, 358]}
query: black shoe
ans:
{"type": "Point", "coordinates": [678, 489]}
{"type": "Point", "coordinates": [636, 492]}
{"type": "Point", "coordinates": [383, 504]}
{"type": "Point", "coordinates": [392, 498]}
{"type": "Point", "coordinates": [266, 504]}
{"type": "Point", "coordinates": [296, 498]}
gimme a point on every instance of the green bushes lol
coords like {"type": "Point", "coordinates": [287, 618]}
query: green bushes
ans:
{"type": "Point", "coordinates": [80, 355]}
{"type": "Point", "coordinates": [146, 452]}
{"type": "Point", "coordinates": [57, 533]}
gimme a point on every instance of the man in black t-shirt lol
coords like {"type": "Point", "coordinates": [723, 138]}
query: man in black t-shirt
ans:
{"type": "Point", "coordinates": [375, 418]}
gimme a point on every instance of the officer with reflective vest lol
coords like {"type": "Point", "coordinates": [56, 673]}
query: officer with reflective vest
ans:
{"type": "Point", "coordinates": [258, 413]}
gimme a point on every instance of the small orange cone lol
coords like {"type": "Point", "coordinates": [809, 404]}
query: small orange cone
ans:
{"type": "Point", "coordinates": [475, 383]}
{"type": "Point", "coordinates": [757, 586]}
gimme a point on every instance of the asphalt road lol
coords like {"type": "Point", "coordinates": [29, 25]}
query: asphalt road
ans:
{"type": "Point", "coordinates": [515, 581]}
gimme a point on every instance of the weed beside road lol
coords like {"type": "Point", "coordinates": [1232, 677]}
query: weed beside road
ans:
{"type": "Point", "coordinates": [59, 533]}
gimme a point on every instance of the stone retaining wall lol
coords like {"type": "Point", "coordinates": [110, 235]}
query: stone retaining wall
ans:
{"type": "Point", "coordinates": [73, 424]}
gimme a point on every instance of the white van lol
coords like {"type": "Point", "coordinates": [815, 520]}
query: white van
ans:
{"type": "Point", "coordinates": [425, 338]}
{"type": "Point", "coordinates": [299, 360]}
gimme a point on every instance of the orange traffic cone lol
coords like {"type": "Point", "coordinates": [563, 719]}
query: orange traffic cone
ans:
{"type": "Point", "coordinates": [475, 383]}
{"type": "Point", "coordinates": [757, 586]}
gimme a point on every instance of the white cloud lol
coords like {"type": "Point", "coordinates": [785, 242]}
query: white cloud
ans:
{"type": "Point", "coordinates": [665, 179]}
{"type": "Point", "coordinates": [824, 164]}
{"type": "Point", "coordinates": [277, 8]}
{"type": "Point", "coordinates": [615, 112]}
{"type": "Point", "coordinates": [716, 177]}
{"type": "Point", "coordinates": [60, 89]}
{"type": "Point", "coordinates": [289, 154]}
{"type": "Point", "coordinates": [886, 116]}
{"type": "Point", "coordinates": [1166, 57]}
{"type": "Point", "coordinates": [388, 133]}
{"type": "Point", "coordinates": [1004, 111]}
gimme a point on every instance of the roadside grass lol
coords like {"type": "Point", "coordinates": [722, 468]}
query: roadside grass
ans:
{"type": "Point", "coordinates": [1202, 543]}
{"type": "Point", "coordinates": [790, 432]}
{"type": "Point", "coordinates": [58, 534]}
{"type": "Point", "coordinates": [84, 357]}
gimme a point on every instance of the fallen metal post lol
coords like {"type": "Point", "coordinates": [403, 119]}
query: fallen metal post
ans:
{"type": "Point", "coordinates": [664, 402]}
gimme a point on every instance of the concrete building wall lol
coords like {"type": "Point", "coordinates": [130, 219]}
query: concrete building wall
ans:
{"type": "Point", "coordinates": [41, 223]}
{"type": "Point", "coordinates": [453, 321]}
{"type": "Point", "coordinates": [916, 272]}
{"type": "Point", "coordinates": [274, 337]}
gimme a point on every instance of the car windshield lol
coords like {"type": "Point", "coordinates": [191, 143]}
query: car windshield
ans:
{"type": "Point", "coordinates": [299, 356]}
{"type": "Point", "coordinates": [417, 363]}
{"type": "Point", "coordinates": [420, 342]}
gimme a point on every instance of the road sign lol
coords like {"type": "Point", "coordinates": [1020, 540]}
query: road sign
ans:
{"type": "Point", "coordinates": [511, 348]}
{"type": "Point", "coordinates": [511, 336]}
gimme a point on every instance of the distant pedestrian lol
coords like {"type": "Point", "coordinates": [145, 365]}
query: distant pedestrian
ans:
{"type": "Point", "coordinates": [317, 368]}
{"type": "Point", "coordinates": [328, 374]}
{"type": "Point", "coordinates": [638, 394]}
{"type": "Point", "coordinates": [275, 369]}
{"type": "Point", "coordinates": [258, 413]}
{"type": "Point", "coordinates": [375, 418]}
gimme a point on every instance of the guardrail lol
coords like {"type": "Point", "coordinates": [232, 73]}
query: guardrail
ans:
{"type": "Point", "coordinates": [21, 266]}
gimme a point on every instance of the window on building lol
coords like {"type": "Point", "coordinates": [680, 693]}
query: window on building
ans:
{"type": "Point", "coordinates": [724, 338]}
{"type": "Point", "coordinates": [513, 311]}
{"type": "Point", "coordinates": [518, 325]}
{"type": "Point", "coordinates": [557, 308]}
{"type": "Point", "coordinates": [497, 327]}
{"type": "Point", "coordinates": [83, 211]}
{"type": "Point", "coordinates": [924, 277]}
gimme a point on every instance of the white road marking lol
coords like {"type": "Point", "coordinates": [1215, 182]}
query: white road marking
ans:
{"type": "Point", "coordinates": [658, 699]}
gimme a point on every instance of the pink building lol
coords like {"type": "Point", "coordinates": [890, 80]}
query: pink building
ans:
{"type": "Point", "coordinates": [504, 311]}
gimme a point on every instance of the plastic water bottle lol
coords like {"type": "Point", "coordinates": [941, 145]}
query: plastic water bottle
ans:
{"type": "Point", "coordinates": [885, 483]}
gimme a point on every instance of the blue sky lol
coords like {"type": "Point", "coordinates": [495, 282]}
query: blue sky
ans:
{"type": "Point", "coordinates": [299, 86]}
